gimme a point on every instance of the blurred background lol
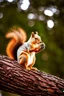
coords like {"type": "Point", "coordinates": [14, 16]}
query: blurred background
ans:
{"type": "Point", "coordinates": [44, 16]}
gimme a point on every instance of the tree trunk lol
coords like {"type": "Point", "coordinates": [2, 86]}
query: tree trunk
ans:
{"type": "Point", "coordinates": [15, 79]}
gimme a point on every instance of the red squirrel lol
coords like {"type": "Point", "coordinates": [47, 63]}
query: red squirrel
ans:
{"type": "Point", "coordinates": [24, 52]}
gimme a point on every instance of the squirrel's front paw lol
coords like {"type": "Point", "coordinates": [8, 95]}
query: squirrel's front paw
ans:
{"type": "Point", "coordinates": [34, 68]}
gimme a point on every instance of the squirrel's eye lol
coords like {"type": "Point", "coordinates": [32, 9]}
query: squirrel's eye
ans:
{"type": "Point", "coordinates": [36, 39]}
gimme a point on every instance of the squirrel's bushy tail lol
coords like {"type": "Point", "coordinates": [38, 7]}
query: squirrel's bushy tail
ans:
{"type": "Point", "coordinates": [18, 36]}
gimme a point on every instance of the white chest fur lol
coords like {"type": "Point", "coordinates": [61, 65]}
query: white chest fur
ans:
{"type": "Point", "coordinates": [31, 58]}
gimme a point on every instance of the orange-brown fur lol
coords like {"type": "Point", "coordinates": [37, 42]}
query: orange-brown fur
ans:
{"type": "Point", "coordinates": [15, 42]}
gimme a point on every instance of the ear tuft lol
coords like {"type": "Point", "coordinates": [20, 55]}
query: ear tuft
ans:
{"type": "Point", "coordinates": [36, 32]}
{"type": "Point", "coordinates": [32, 34]}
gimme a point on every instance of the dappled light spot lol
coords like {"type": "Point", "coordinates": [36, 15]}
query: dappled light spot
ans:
{"type": "Point", "coordinates": [48, 12]}
{"type": "Point", "coordinates": [54, 9]}
{"type": "Point", "coordinates": [41, 17]}
{"type": "Point", "coordinates": [10, 1]}
{"type": "Point", "coordinates": [1, 15]}
{"type": "Point", "coordinates": [0, 94]}
{"type": "Point", "coordinates": [1, 0]}
{"type": "Point", "coordinates": [50, 24]}
{"type": "Point", "coordinates": [31, 23]}
{"type": "Point", "coordinates": [32, 16]}
{"type": "Point", "coordinates": [25, 4]}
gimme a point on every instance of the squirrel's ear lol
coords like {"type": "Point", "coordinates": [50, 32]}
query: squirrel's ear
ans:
{"type": "Point", "coordinates": [36, 32]}
{"type": "Point", "coordinates": [32, 34]}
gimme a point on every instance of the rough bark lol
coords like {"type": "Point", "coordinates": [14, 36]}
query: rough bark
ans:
{"type": "Point", "coordinates": [15, 79]}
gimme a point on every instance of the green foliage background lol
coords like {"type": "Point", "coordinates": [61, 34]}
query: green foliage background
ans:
{"type": "Point", "coordinates": [50, 60]}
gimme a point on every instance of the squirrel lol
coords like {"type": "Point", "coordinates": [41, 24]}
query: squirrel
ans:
{"type": "Point", "coordinates": [22, 51]}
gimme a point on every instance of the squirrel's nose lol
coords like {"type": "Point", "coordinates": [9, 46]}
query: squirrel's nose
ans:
{"type": "Point", "coordinates": [42, 45]}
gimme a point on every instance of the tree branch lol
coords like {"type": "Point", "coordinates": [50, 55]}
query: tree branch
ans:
{"type": "Point", "coordinates": [15, 79]}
